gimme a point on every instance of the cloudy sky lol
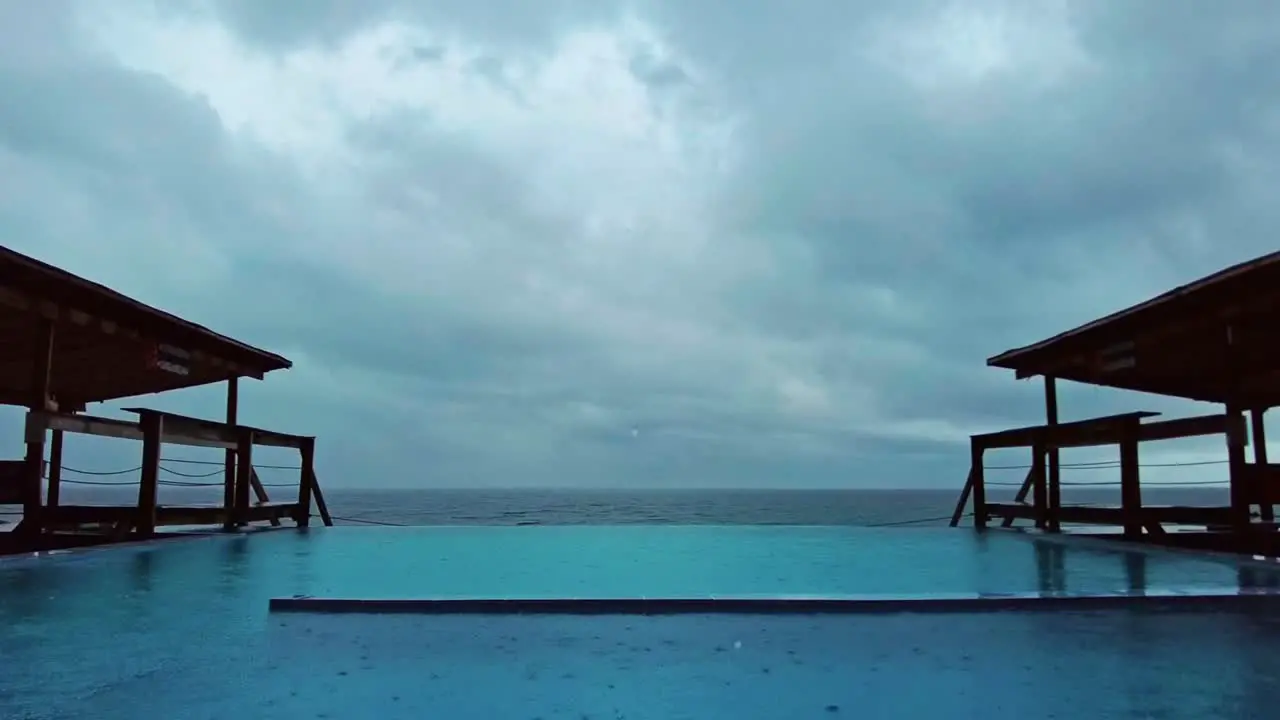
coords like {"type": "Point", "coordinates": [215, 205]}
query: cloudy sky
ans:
{"type": "Point", "coordinates": [652, 243]}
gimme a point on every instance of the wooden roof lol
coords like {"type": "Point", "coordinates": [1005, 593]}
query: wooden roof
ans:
{"type": "Point", "coordinates": [1216, 339]}
{"type": "Point", "coordinates": [106, 345]}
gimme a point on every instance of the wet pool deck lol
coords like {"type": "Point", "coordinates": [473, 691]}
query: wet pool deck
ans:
{"type": "Point", "coordinates": [182, 628]}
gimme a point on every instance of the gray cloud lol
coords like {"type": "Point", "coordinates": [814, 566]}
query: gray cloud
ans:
{"type": "Point", "coordinates": [749, 247]}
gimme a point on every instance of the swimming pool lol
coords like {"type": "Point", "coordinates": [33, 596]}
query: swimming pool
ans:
{"type": "Point", "coordinates": [184, 624]}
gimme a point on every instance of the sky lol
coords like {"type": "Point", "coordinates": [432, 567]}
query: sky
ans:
{"type": "Point", "coordinates": [659, 243]}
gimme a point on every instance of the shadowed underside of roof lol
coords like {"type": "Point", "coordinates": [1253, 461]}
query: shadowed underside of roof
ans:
{"type": "Point", "coordinates": [105, 345]}
{"type": "Point", "coordinates": [1214, 340]}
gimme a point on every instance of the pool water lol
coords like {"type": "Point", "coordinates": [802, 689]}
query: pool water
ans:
{"type": "Point", "coordinates": [629, 561]}
{"type": "Point", "coordinates": [181, 629]}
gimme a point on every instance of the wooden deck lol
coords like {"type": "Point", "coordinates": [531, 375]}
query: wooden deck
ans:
{"type": "Point", "coordinates": [1148, 515]}
{"type": "Point", "coordinates": [68, 517]}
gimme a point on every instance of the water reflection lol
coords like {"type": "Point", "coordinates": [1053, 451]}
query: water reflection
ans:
{"type": "Point", "coordinates": [1102, 568]}
{"type": "Point", "coordinates": [143, 570]}
{"type": "Point", "coordinates": [1257, 577]}
{"type": "Point", "coordinates": [1051, 571]}
{"type": "Point", "coordinates": [1135, 571]}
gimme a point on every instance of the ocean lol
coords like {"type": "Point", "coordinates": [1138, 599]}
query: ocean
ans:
{"type": "Point", "coordinates": [908, 508]}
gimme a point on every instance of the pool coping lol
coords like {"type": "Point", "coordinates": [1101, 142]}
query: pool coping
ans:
{"type": "Point", "coordinates": [786, 604]}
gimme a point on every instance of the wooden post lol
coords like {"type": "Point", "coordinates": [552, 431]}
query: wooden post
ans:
{"type": "Point", "coordinates": [1039, 479]}
{"type": "Point", "coordinates": [55, 470]}
{"type": "Point", "coordinates": [1263, 492]}
{"type": "Point", "coordinates": [33, 480]}
{"type": "Point", "coordinates": [244, 475]}
{"type": "Point", "coordinates": [1237, 470]}
{"type": "Point", "coordinates": [149, 489]}
{"type": "Point", "coordinates": [1055, 479]}
{"type": "Point", "coordinates": [321, 506]}
{"type": "Point", "coordinates": [229, 458]}
{"type": "Point", "coordinates": [1054, 503]}
{"type": "Point", "coordinates": [1130, 482]}
{"type": "Point", "coordinates": [963, 501]}
{"type": "Point", "coordinates": [976, 459]}
{"type": "Point", "coordinates": [1236, 440]}
{"type": "Point", "coordinates": [305, 479]}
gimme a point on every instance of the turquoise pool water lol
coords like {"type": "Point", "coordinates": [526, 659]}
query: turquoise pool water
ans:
{"type": "Point", "coordinates": [183, 628]}
{"type": "Point", "coordinates": [628, 561]}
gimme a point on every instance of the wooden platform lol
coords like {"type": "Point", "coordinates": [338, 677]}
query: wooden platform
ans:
{"type": "Point", "coordinates": [69, 342]}
{"type": "Point", "coordinates": [1149, 515]}
{"type": "Point", "coordinates": [1212, 340]}
{"type": "Point", "coordinates": [67, 517]}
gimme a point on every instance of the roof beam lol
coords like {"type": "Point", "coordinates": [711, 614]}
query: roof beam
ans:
{"type": "Point", "coordinates": [1081, 433]}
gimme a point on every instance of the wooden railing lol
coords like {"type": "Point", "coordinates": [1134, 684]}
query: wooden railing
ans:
{"type": "Point", "coordinates": [1251, 483]}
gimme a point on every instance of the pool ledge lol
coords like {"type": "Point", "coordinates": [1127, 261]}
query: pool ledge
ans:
{"type": "Point", "coordinates": [785, 604]}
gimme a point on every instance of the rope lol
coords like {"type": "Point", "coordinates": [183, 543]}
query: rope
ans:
{"type": "Point", "coordinates": [1108, 464]}
{"type": "Point", "coordinates": [1105, 483]}
{"type": "Point", "coordinates": [171, 483]}
{"type": "Point", "coordinates": [915, 521]}
{"type": "Point", "coordinates": [366, 522]}
{"type": "Point", "coordinates": [211, 473]}
{"type": "Point", "coordinates": [102, 473]}
{"type": "Point", "coordinates": [1112, 464]}
{"type": "Point", "coordinates": [219, 463]}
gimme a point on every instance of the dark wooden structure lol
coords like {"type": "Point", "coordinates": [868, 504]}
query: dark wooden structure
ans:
{"type": "Point", "coordinates": [1214, 340]}
{"type": "Point", "coordinates": [69, 342]}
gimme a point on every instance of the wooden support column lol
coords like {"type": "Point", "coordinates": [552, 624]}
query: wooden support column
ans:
{"type": "Point", "coordinates": [33, 470]}
{"type": "Point", "coordinates": [321, 506]}
{"type": "Point", "coordinates": [1130, 483]}
{"type": "Point", "coordinates": [1055, 478]}
{"type": "Point", "coordinates": [1258, 420]}
{"type": "Point", "coordinates": [976, 460]}
{"type": "Point", "coordinates": [55, 469]}
{"type": "Point", "coordinates": [229, 458]}
{"type": "Point", "coordinates": [1054, 503]}
{"type": "Point", "coordinates": [306, 477]}
{"type": "Point", "coordinates": [1236, 440]}
{"type": "Point", "coordinates": [963, 501]}
{"type": "Point", "coordinates": [149, 488]}
{"type": "Point", "coordinates": [1237, 470]}
{"type": "Point", "coordinates": [244, 476]}
{"type": "Point", "coordinates": [1040, 485]}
